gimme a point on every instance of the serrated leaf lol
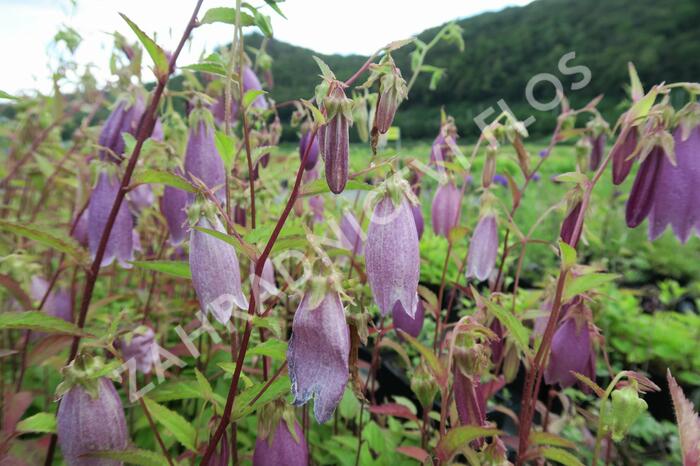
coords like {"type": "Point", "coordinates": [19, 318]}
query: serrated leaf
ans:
{"type": "Point", "coordinates": [226, 146]}
{"type": "Point", "coordinates": [204, 386]}
{"type": "Point", "coordinates": [162, 66]}
{"type": "Point", "coordinates": [560, 456]}
{"type": "Point", "coordinates": [250, 96]}
{"type": "Point", "coordinates": [66, 246]}
{"type": "Point", "coordinates": [173, 423]}
{"type": "Point", "coordinates": [457, 437]}
{"type": "Point", "coordinates": [152, 176]}
{"type": "Point", "coordinates": [325, 69]}
{"type": "Point", "coordinates": [273, 4]}
{"type": "Point", "coordinates": [243, 248]}
{"type": "Point", "coordinates": [244, 403]}
{"type": "Point", "coordinates": [184, 390]}
{"type": "Point", "coordinates": [583, 283]}
{"type": "Point", "coordinates": [318, 117]}
{"type": "Point", "coordinates": [272, 348]}
{"type": "Point", "coordinates": [260, 20]}
{"type": "Point", "coordinates": [175, 268]}
{"type": "Point", "coordinates": [132, 456]}
{"type": "Point", "coordinates": [38, 322]}
{"type": "Point", "coordinates": [515, 328]}
{"type": "Point", "coordinates": [639, 111]}
{"type": "Point", "coordinates": [40, 422]}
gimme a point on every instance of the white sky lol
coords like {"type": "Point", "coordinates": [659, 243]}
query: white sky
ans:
{"type": "Point", "coordinates": [327, 26]}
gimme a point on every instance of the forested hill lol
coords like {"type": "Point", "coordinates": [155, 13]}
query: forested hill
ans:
{"type": "Point", "coordinates": [505, 49]}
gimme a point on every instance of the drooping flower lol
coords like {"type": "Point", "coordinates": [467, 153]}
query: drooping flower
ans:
{"type": "Point", "coordinates": [334, 137]}
{"type": "Point", "coordinates": [688, 423]}
{"type": "Point", "coordinates": [471, 396]}
{"type": "Point", "coordinates": [392, 256]}
{"type": "Point", "coordinates": [641, 196]}
{"type": "Point", "coordinates": [318, 353]}
{"type": "Point", "coordinates": [418, 219]}
{"type": "Point", "coordinates": [411, 325]}
{"type": "Point", "coordinates": [218, 110]}
{"type": "Point", "coordinates": [120, 241]}
{"type": "Point", "coordinates": [58, 302]}
{"type": "Point", "coordinates": [621, 161]}
{"type": "Point", "coordinates": [239, 215]}
{"type": "Point", "coordinates": [87, 422]}
{"type": "Point", "coordinates": [252, 83]}
{"type": "Point", "coordinates": [351, 233]}
{"type": "Point", "coordinates": [597, 150]}
{"type": "Point", "coordinates": [142, 348]}
{"type": "Point", "coordinates": [483, 248]}
{"type": "Point", "coordinates": [445, 209]}
{"type": "Point", "coordinates": [280, 445]}
{"type": "Point", "coordinates": [569, 224]}
{"type": "Point", "coordinates": [392, 91]}
{"type": "Point", "coordinates": [676, 197]}
{"type": "Point", "coordinates": [216, 275]}
{"type": "Point", "coordinates": [312, 157]}
{"type": "Point", "coordinates": [141, 197]}
{"type": "Point", "coordinates": [202, 160]}
{"type": "Point", "coordinates": [173, 206]}
{"type": "Point", "coordinates": [80, 232]}
{"type": "Point", "coordinates": [124, 119]}
{"type": "Point", "coordinates": [571, 351]}
{"type": "Point", "coordinates": [441, 149]}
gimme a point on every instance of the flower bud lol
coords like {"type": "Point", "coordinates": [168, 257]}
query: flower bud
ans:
{"type": "Point", "coordinates": [312, 157]}
{"type": "Point", "coordinates": [120, 241]}
{"type": "Point", "coordinates": [569, 224]}
{"type": "Point", "coordinates": [641, 196]}
{"type": "Point", "coordinates": [318, 353]}
{"type": "Point", "coordinates": [597, 151]}
{"type": "Point", "coordinates": [571, 351]}
{"type": "Point", "coordinates": [392, 90]}
{"type": "Point", "coordinates": [142, 348]}
{"type": "Point", "coordinates": [411, 325]}
{"type": "Point", "coordinates": [239, 215]}
{"type": "Point", "coordinates": [90, 418]}
{"type": "Point", "coordinates": [124, 119]}
{"type": "Point", "coordinates": [202, 160]}
{"type": "Point", "coordinates": [334, 138]}
{"type": "Point", "coordinates": [216, 275]}
{"type": "Point", "coordinates": [621, 166]}
{"type": "Point", "coordinates": [627, 406]}
{"type": "Point", "coordinates": [285, 445]}
{"type": "Point", "coordinates": [392, 256]}
{"type": "Point", "coordinates": [425, 387]}
{"type": "Point", "coordinates": [446, 208]}
{"type": "Point", "coordinates": [173, 206]}
{"type": "Point", "coordinates": [489, 167]}
{"type": "Point", "coordinates": [483, 248]}
{"type": "Point", "coordinates": [80, 232]}
{"type": "Point", "coordinates": [250, 83]}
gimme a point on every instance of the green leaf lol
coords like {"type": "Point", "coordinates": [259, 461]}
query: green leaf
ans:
{"type": "Point", "coordinates": [636, 89]}
{"type": "Point", "coordinates": [273, 4]}
{"type": "Point", "coordinates": [583, 283]}
{"type": "Point", "coordinates": [207, 67]}
{"type": "Point", "coordinates": [40, 422]}
{"type": "Point", "coordinates": [5, 95]}
{"type": "Point", "coordinates": [244, 403]}
{"type": "Point", "coordinates": [226, 15]}
{"type": "Point", "coordinates": [152, 176]}
{"type": "Point", "coordinates": [273, 348]}
{"type": "Point", "coordinates": [560, 456]}
{"type": "Point", "coordinates": [226, 146]}
{"type": "Point", "coordinates": [438, 370]}
{"type": "Point", "coordinates": [133, 456]}
{"type": "Point", "coordinates": [38, 322]}
{"type": "Point", "coordinates": [319, 118]}
{"type": "Point", "coordinates": [66, 246]}
{"type": "Point", "coordinates": [325, 69]}
{"type": "Point", "coordinates": [261, 21]}
{"type": "Point", "coordinates": [321, 186]}
{"type": "Point", "coordinates": [461, 436]}
{"type": "Point", "coordinates": [639, 111]}
{"type": "Point", "coordinates": [546, 438]}
{"type": "Point", "coordinates": [243, 248]}
{"type": "Point", "coordinates": [173, 423]}
{"type": "Point", "coordinates": [205, 387]}
{"type": "Point", "coordinates": [250, 96]}
{"type": "Point", "coordinates": [175, 268]}
{"type": "Point", "coordinates": [516, 328]}
{"type": "Point", "coordinates": [568, 254]}
{"type": "Point", "coordinates": [185, 390]}
{"type": "Point", "coordinates": [162, 69]}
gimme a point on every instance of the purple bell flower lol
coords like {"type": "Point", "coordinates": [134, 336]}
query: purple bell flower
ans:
{"type": "Point", "coordinates": [410, 325]}
{"type": "Point", "coordinates": [318, 354]}
{"type": "Point", "coordinates": [571, 350]}
{"type": "Point", "coordinates": [569, 224]}
{"type": "Point", "coordinates": [120, 242]}
{"type": "Point", "coordinates": [172, 206]}
{"type": "Point", "coordinates": [500, 179]}
{"type": "Point", "coordinates": [351, 234]}
{"type": "Point", "coordinates": [280, 447]}
{"type": "Point", "coordinates": [58, 303]}
{"type": "Point", "coordinates": [483, 249]}
{"type": "Point", "coordinates": [86, 424]}
{"type": "Point", "coordinates": [312, 158]}
{"type": "Point", "coordinates": [641, 196]}
{"type": "Point", "coordinates": [250, 83]}
{"type": "Point", "coordinates": [216, 275]}
{"type": "Point", "coordinates": [597, 150]}
{"type": "Point", "coordinates": [142, 348]}
{"type": "Point", "coordinates": [446, 208]}
{"type": "Point", "coordinates": [334, 140]}
{"type": "Point", "coordinates": [218, 110]}
{"type": "Point", "coordinates": [202, 160]}
{"type": "Point", "coordinates": [239, 215]}
{"type": "Point", "coordinates": [80, 232]}
{"type": "Point", "coordinates": [392, 256]}
{"type": "Point", "coordinates": [418, 219]}
{"type": "Point", "coordinates": [141, 197]}
{"type": "Point", "coordinates": [677, 197]}
{"type": "Point", "coordinates": [124, 119]}
{"type": "Point", "coordinates": [621, 166]}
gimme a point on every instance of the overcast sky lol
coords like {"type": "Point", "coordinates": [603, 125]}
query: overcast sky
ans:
{"type": "Point", "coordinates": [328, 26]}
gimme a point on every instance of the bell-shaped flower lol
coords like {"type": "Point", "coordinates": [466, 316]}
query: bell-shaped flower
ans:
{"type": "Point", "coordinates": [124, 119]}
{"type": "Point", "coordinates": [446, 208]}
{"type": "Point", "coordinates": [568, 226]}
{"type": "Point", "coordinates": [571, 351]}
{"type": "Point", "coordinates": [202, 160]}
{"type": "Point", "coordinates": [120, 241]}
{"type": "Point", "coordinates": [58, 303]}
{"type": "Point", "coordinates": [318, 353]}
{"type": "Point", "coordinates": [410, 325]}
{"type": "Point", "coordinates": [597, 151]}
{"type": "Point", "coordinates": [483, 248]}
{"type": "Point", "coordinates": [351, 233]}
{"type": "Point", "coordinates": [641, 198]}
{"type": "Point", "coordinates": [141, 197]}
{"type": "Point", "coordinates": [392, 256]}
{"type": "Point", "coordinates": [334, 138]}
{"type": "Point", "coordinates": [141, 347]}
{"type": "Point", "coordinates": [621, 161]}
{"type": "Point", "coordinates": [173, 206]}
{"type": "Point", "coordinates": [216, 274]}
{"type": "Point", "coordinates": [252, 83]}
{"type": "Point", "coordinates": [282, 446]}
{"type": "Point", "coordinates": [312, 156]}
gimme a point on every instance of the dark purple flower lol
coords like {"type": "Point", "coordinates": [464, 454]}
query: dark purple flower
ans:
{"type": "Point", "coordinates": [312, 157]}
{"type": "Point", "coordinates": [500, 179]}
{"type": "Point", "coordinates": [544, 153]}
{"type": "Point", "coordinates": [677, 197]}
{"type": "Point", "coordinates": [410, 325]}
{"type": "Point", "coordinates": [141, 197]}
{"type": "Point", "coordinates": [334, 139]}
{"type": "Point", "coordinates": [252, 83]}
{"type": "Point", "coordinates": [392, 256]}
{"type": "Point", "coordinates": [173, 205]}
{"type": "Point", "coordinates": [281, 447]}
{"type": "Point", "coordinates": [483, 249]}
{"type": "Point", "coordinates": [142, 348]}
{"type": "Point", "coordinates": [445, 210]}
{"type": "Point", "coordinates": [597, 150]}
{"type": "Point", "coordinates": [351, 233]}
{"type": "Point", "coordinates": [392, 90]}
{"type": "Point", "coordinates": [239, 215]}
{"type": "Point", "coordinates": [318, 354]}
{"type": "Point", "coordinates": [621, 162]}
{"type": "Point", "coordinates": [120, 242]}
{"type": "Point", "coordinates": [418, 219]}
{"type": "Point", "coordinates": [569, 224]}
{"type": "Point", "coordinates": [216, 275]}
{"type": "Point", "coordinates": [86, 424]}
{"type": "Point", "coordinates": [123, 119]}
{"type": "Point", "coordinates": [471, 397]}
{"type": "Point", "coordinates": [80, 232]}
{"type": "Point", "coordinates": [641, 196]}
{"type": "Point", "coordinates": [571, 350]}
{"type": "Point", "coordinates": [202, 160]}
